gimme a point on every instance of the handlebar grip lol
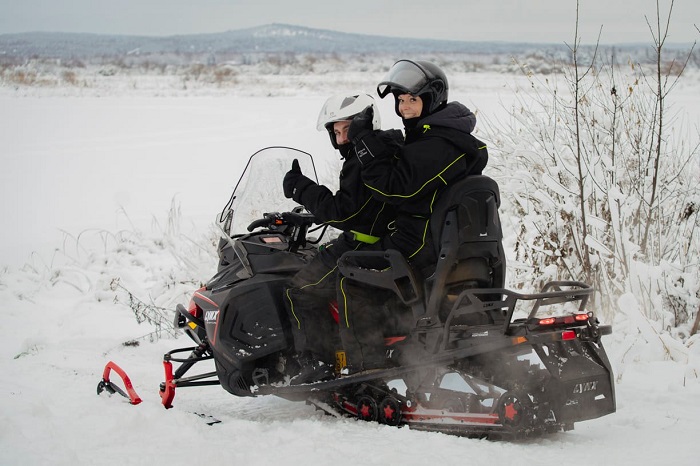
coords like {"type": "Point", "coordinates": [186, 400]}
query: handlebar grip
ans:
{"type": "Point", "coordinates": [259, 223]}
{"type": "Point", "coordinates": [299, 219]}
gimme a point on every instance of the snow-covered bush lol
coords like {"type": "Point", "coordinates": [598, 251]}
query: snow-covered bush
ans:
{"type": "Point", "coordinates": [608, 186]}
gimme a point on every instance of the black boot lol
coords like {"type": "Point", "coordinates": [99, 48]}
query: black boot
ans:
{"type": "Point", "coordinates": [312, 369]}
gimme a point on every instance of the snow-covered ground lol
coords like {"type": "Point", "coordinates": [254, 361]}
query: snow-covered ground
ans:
{"type": "Point", "coordinates": [108, 200]}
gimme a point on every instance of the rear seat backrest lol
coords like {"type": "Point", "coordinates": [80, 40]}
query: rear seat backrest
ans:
{"type": "Point", "coordinates": [467, 232]}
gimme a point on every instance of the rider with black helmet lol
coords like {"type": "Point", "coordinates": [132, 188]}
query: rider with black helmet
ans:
{"type": "Point", "coordinates": [351, 209]}
{"type": "Point", "coordinates": [419, 78]}
{"type": "Point", "coordinates": [438, 150]}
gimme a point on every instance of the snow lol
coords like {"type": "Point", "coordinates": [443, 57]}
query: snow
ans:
{"type": "Point", "coordinates": [111, 196]}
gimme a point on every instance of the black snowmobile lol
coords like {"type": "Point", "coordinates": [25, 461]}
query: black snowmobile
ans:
{"type": "Point", "coordinates": [465, 355]}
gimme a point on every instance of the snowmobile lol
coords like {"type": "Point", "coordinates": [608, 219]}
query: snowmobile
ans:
{"type": "Point", "coordinates": [465, 355]}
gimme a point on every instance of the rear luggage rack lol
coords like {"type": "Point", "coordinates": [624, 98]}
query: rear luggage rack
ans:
{"type": "Point", "coordinates": [475, 301]}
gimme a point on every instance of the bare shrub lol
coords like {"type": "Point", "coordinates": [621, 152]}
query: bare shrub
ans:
{"type": "Point", "coordinates": [70, 77]}
{"type": "Point", "coordinates": [224, 75]}
{"type": "Point", "coordinates": [609, 185]}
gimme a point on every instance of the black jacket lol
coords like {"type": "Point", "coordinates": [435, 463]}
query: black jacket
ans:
{"type": "Point", "coordinates": [352, 207]}
{"type": "Point", "coordinates": [438, 150]}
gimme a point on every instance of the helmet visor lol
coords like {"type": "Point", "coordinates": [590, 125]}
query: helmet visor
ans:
{"type": "Point", "coordinates": [404, 76]}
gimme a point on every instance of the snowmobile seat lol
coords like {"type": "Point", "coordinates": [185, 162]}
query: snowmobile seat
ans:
{"type": "Point", "coordinates": [466, 232]}
{"type": "Point", "coordinates": [468, 243]}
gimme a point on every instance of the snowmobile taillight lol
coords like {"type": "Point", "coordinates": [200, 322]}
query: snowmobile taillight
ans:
{"type": "Point", "coordinates": [563, 320]}
{"type": "Point", "coordinates": [568, 335]}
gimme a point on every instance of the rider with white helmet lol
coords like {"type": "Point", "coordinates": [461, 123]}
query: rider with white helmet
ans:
{"type": "Point", "coordinates": [351, 209]}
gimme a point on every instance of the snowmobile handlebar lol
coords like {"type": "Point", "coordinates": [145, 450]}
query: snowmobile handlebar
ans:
{"type": "Point", "coordinates": [293, 224]}
{"type": "Point", "coordinates": [277, 220]}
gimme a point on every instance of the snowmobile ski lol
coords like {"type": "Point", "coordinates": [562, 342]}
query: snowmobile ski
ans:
{"type": "Point", "coordinates": [108, 386]}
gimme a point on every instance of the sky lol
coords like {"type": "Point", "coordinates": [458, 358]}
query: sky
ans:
{"type": "Point", "coordinates": [550, 21]}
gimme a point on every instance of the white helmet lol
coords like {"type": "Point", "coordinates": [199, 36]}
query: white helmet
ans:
{"type": "Point", "coordinates": [343, 107]}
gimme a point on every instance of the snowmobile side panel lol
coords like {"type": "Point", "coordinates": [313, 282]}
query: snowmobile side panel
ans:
{"type": "Point", "coordinates": [247, 332]}
{"type": "Point", "coordinates": [251, 325]}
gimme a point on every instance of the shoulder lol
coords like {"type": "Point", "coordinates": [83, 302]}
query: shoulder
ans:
{"type": "Point", "coordinates": [455, 116]}
{"type": "Point", "coordinates": [451, 111]}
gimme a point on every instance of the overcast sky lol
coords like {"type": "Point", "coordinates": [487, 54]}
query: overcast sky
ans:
{"type": "Point", "coordinates": [505, 20]}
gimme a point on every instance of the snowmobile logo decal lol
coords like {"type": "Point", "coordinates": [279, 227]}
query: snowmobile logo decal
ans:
{"type": "Point", "coordinates": [585, 387]}
{"type": "Point", "coordinates": [211, 316]}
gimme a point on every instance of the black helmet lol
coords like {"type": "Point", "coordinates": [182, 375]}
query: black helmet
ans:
{"type": "Point", "coordinates": [420, 78]}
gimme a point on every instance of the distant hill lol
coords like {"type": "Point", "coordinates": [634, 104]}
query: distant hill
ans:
{"type": "Point", "coordinates": [263, 43]}
{"type": "Point", "coordinates": [273, 38]}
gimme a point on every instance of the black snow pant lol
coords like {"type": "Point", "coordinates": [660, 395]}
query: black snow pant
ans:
{"type": "Point", "coordinates": [308, 299]}
{"type": "Point", "coordinates": [363, 316]}
{"type": "Point", "coordinates": [366, 312]}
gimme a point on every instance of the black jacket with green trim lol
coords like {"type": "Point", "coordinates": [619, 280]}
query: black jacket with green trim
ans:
{"type": "Point", "coordinates": [437, 151]}
{"type": "Point", "coordinates": [352, 207]}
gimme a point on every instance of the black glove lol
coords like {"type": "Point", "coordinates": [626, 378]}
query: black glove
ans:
{"type": "Point", "coordinates": [294, 182]}
{"type": "Point", "coordinates": [371, 146]}
{"type": "Point", "coordinates": [361, 125]}
{"type": "Point", "coordinates": [291, 178]}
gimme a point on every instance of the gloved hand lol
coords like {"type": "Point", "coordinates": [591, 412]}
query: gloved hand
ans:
{"type": "Point", "coordinates": [290, 179]}
{"type": "Point", "coordinates": [361, 125]}
{"type": "Point", "coordinates": [294, 182]}
{"type": "Point", "coordinates": [376, 144]}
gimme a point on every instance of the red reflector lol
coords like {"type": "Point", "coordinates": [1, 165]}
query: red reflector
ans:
{"type": "Point", "coordinates": [581, 317]}
{"type": "Point", "coordinates": [388, 341]}
{"type": "Point", "coordinates": [568, 335]}
{"type": "Point", "coordinates": [333, 309]}
{"type": "Point", "coordinates": [194, 309]}
{"type": "Point", "coordinates": [547, 321]}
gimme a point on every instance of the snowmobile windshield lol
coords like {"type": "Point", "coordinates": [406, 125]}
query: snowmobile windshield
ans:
{"type": "Point", "coordinates": [259, 189]}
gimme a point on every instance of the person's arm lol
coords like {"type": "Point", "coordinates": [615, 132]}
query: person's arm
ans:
{"type": "Point", "coordinates": [339, 208]}
{"type": "Point", "coordinates": [419, 169]}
